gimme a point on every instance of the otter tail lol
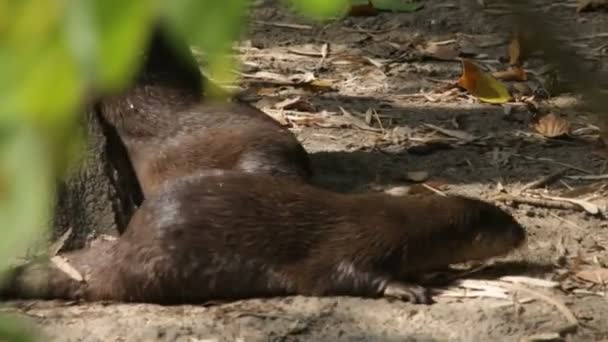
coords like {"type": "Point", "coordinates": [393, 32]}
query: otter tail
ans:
{"type": "Point", "coordinates": [40, 280]}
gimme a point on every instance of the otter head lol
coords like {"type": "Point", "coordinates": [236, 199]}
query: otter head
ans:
{"type": "Point", "coordinates": [490, 231]}
{"type": "Point", "coordinates": [457, 229]}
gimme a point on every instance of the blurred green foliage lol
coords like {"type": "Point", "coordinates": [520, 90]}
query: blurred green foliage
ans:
{"type": "Point", "coordinates": [54, 54]}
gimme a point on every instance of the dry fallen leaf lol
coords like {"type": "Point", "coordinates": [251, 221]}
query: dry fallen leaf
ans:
{"type": "Point", "coordinates": [595, 275]}
{"type": "Point", "coordinates": [513, 73]}
{"type": "Point", "coordinates": [482, 85]}
{"type": "Point", "coordinates": [552, 126]}
{"type": "Point", "coordinates": [454, 133]}
{"type": "Point", "coordinates": [438, 51]}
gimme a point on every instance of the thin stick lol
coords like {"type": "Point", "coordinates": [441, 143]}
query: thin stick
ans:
{"type": "Point", "coordinates": [378, 120]}
{"type": "Point", "coordinates": [572, 320]}
{"type": "Point", "coordinates": [437, 191]}
{"type": "Point", "coordinates": [539, 202]}
{"type": "Point", "coordinates": [550, 178]}
{"type": "Point", "coordinates": [284, 25]}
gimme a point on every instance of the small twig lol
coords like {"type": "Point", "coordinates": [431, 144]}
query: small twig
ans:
{"type": "Point", "coordinates": [260, 315]}
{"type": "Point", "coordinates": [591, 293]}
{"type": "Point", "coordinates": [585, 205]}
{"type": "Point", "coordinates": [538, 202]}
{"type": "Point", "coordinates": [284, 25]}
{"type": "Point", "coordinates": [572, 320]}
{"type": "Point", "coordinates": [589, 177]}
{"type": "Point", "coordinates": [324, 54]}
{"type": "Point", "coordinates": [378, 120]}
{"type": "Point", "coordinates": [437, 191]}
{"type": "Point", "coordinates": [305, 53]}
{"type": "Point", "coordinates": [550, 178]}
{"type": "Point", "coordinates": [58, 245]}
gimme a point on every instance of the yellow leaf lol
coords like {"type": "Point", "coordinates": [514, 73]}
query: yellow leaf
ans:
{"type": "Point", "coordinates": [482, 85]}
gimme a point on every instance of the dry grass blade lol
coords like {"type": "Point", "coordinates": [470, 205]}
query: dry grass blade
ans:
{"type": "Point", "coordinates": [284, 25]}
{"type": "Point", "coordinates": [62, 264]}
{"type": "Point", "coordinates": [58, 245]}
{"type": "Point", "coordinates": [538, 202]}
{"type": "Point", "coordinates": [587, 206]}
{"type": "Point", "coordinates": [589, 177]}
{"type": "Point", "coordinates": [458, 134]}
{"type": "Point", "coordinates": [286, 103]}
{"type": "Point", "coordinates": [433, 189]}
{"type": "Point", "coordinates": [530, 281]}
{"type": "Point", "coordinates": [471, 288]}
{"type": "Point", "coordinates": [356, 122]}
{"type": "Point", "coordinates": [548, 179]}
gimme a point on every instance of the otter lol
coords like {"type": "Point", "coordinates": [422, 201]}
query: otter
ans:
{"type": "Point", "coordinates": [169, 130]}
{"type": "Point", "coordinates": [227, 235]}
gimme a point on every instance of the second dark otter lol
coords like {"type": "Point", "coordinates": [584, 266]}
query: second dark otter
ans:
{"type": "Point", "coordinates": [228, 235]}
{"type": "Point", "coordinates": [169, 132]}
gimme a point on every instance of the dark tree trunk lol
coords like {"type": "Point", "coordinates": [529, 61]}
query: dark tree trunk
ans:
{"type": "Point", "coordinates": [100, 196]}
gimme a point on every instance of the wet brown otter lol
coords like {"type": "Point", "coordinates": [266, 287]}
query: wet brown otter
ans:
{"type": "Point", "coordinates": [229, 235]}
{"type": "Point", "coordinates": [169, 132]}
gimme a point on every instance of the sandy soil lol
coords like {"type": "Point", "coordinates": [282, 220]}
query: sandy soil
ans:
{"type": "Point", "coordinates": [373, 67]}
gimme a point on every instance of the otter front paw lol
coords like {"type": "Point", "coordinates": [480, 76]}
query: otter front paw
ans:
{"type": "Point", "coordinates": [414, 294]}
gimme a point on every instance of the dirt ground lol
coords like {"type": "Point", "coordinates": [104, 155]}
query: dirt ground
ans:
{"type": "Point", "coordinates": [370, 132]}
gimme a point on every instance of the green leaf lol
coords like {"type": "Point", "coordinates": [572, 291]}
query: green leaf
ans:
{"type": "Point", "coordinates": [396, 5]}
{"type": "Point", "coordinates": [12, 329]}
{"type": "Point", "coordinates": [321, 9]}
{"type": "Point", "coordinates": [107, 36]}
{"type": "Point", "coordinates": [26, 186]}
{"type": "Point", "coordinates": [213, 26]}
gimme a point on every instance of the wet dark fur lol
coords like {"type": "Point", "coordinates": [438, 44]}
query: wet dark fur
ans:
{"type": "Point", "coordinates": [169, 132]}
{"type": "Point", "coordinates": [226, 235]}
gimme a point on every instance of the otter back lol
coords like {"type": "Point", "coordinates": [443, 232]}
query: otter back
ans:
{"type": "Point", "coordinates": [169, 132]}
{"type": "Point", "coordinates": [228, 235]}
